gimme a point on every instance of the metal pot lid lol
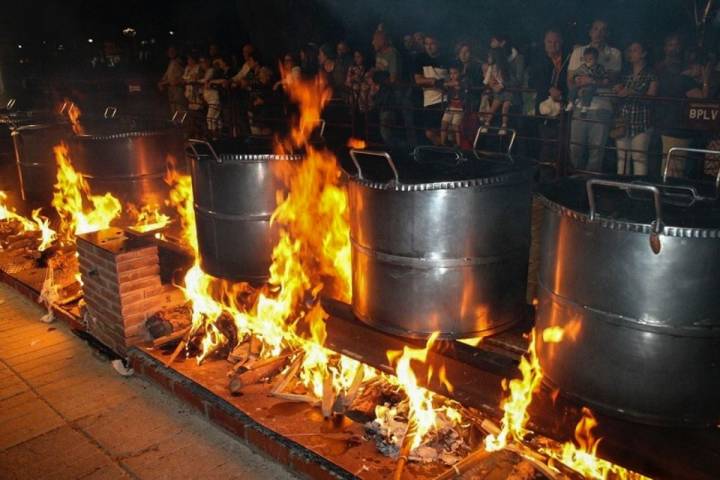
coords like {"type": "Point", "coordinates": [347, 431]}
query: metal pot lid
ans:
{"type": "Point", "coordinates": [677, 207]}
{"type": "Point", "coordinates": [437, 168]}
{"type": "Point", "coordinates": [245, 150]}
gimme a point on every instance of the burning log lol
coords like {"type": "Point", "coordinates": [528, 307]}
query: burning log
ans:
{"type": "Point", "coordinates": [167, 321]}
{"type": "Point", "coordinates": [294, 397]}
{"type": "Point", "coordinates": [177, 351]}
{"type": "Point", "coordinates": [172, 338]}
{"type": "Point", "coordinates": [259, 370]}
{"type": "Point", "coordinates": [405, 448]}
{"type": "Point", "coordinates": [240, 354]}
{"type": "Point", "coordinates": [328, 398]}
{"type": "Point", "coordinates": [284, 379]}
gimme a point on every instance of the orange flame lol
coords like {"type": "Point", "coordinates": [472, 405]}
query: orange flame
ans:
{"type": "Point", "coordinates": [70, 195]}
{"type": "Point", "coordinates": [48, 235]}
{"type": "Point", "coordinates": [582, 457]}
{"type": "Point", "coordinates": [356, 143]}
{"type": "Point", "coordinates": [74, 114]}
{"type": "Point", "coordinates": [515, 406]}
{"type": "Point", "coordinates": [8, 213]}
{"type": "Point", "coordinates": [149, 218]}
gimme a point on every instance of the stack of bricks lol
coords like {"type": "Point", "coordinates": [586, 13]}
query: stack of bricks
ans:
{"type": "Point", "coordinates": [121, 286]}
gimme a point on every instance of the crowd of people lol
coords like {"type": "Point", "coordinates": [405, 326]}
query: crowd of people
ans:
{"type": "Point", "coordinates": [414, 92]}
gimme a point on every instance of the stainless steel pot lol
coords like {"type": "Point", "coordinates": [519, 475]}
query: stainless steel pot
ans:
{"type": "Point", "coordinates": [629, 271]}
{"type": "Point", "coordinates": [443, 245]}
{"type": "Point", "coordinates": [128, 158]}
{"type": "Point", "coordinates": [234, 190]}
{"type": "Point", "coordinates": [35, 158]}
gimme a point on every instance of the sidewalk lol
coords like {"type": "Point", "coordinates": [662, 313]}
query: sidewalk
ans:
{"type": "Point", "coordinates": [66, 414]}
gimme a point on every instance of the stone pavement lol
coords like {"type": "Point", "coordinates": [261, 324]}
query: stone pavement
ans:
{"type": "Point", "coordinates": [66, 414]}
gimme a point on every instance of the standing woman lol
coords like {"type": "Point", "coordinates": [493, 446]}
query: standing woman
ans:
{"type": "Point", "coordinates": [635, 113]}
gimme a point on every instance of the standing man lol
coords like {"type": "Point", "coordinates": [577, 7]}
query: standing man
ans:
{"type": "Point", "coordinates": [430, 74]}
{"type": "Point", "coordinates": [589, 131]}
{"type": "Point", "coordinates": [172, 80]}
{"type": "Point", "coordinates": [387, 60]}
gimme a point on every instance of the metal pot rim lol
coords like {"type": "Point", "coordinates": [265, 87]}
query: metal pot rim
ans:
{"type": "Point", "coordinates": [524, 174]}
{"type": "Point", "coordinates": [115, 136]}
{"type": "Point", "coordinates": [253, 157]}
{"type": "Point", "coordinates": [40, 126]}
{"type": "Point", "coordinates": [621, 225]}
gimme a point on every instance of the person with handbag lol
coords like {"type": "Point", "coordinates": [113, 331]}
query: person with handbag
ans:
{"type": "Point", "coordinates": [548, 77]}
{"type": "Point", "coordinates": [634, 129]}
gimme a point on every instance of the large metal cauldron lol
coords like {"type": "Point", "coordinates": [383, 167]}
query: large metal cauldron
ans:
{"type": "Point", "coordinates": [442, 244]}
{"type": "Point", "coordinates": [36, 164]}
{"type": "Point", "coordinates": [234, 190]}
{"type": "Point", "coordinates": [128, 157]}
{"type": "Point", "coordinates": [629, 270]}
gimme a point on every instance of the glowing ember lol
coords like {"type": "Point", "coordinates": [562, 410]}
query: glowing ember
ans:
{"type": "Point", "coordinates": [70, 196]}
{"type": "Point", "coordinates": [515, 406]}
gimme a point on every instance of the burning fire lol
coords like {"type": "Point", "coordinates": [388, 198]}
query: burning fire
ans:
{"type": "Point", "coordinates": [515, 406]}
{"type": "Point", "coordinates": [48, 235]}
{"type": "Point", "coordinates": [70, 196]}
{"type": "Point", "coordinates": [356, 143]}
{"type": "Point", "coordinates": [8, 213]}
{"type": "Point", "coordinates": [148, 218]}
{"type": "Point", "coordinates": [582, 457]}
{"type": "Point", "coordinates": [74, 116]}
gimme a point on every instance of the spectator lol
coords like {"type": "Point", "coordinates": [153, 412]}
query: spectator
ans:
{"type": "Point", "coordinates": [516, 63]}
{"type": "Point", "coordinates": [382, 101]}
{"type": "Point", "coordinates": [548, 77]}
{"type": "Point", "coordinates": [598, 77]}
{"type": "Point", "coordinates": [636, 113]}
{"type": "Point", "coordinates": [263, 103]}
{"type": "Point", "coordinates": [248, 71]}
{"type": "Point", "coordinates": [309, 61]}
{"type": "Point", "coordinates": [591, 132]}
{"type": "Point", "coordinates": [212, 82]}
{"type": "Point", "coordinates": [192, 78]}
{"type": "Point", "coordinates": [173, 82]}
{"type": "Point", "coordinates": [344, 57]}
{"type": "Point", "coordinates": [495, 97]}
{"type": "Point", "coordinates": [453, 116]}
{"type": "Point", "coordinates": [419, 42]}
{"type": "Point", "coordinates": [430, 73]}
{"type": "Point", "coordinates": [355, 79]}
{"type": "Point", "coordinates": [386, 57]}
{"type": "Point", "coordinates": [675, 83]}
{"type": "Point", "coordinates": [333, 75]}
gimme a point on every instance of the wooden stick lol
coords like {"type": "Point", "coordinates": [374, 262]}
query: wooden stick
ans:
{"type": "Point", "coordinates": [294, 397]}
{"type": "Point", "coordinates": [268, 368]}
{"type": "Point", "coordinates": [406, 447]}
{"type": "Point", "coordinates": [328, 395]}
{"type": "Point", "coordinates": [471, 461]}
{"type": "Point", "coordinates": [283, 382]}
{"type": "Point", "coordinates": [177, 351]}
{"type": "Point", "coordinates": [162, 341]}
{"type": "Point", "coordinates": [354, 387]}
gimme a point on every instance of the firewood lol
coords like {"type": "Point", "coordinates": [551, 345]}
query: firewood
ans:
{"type": "Point", "coordinates": [328, 395]}
{"type": "Point", "coordinates": [294, 397]}
{"type": "Point", "coordinates": [168, 339]}
{"type": "Point", "coordinates": [405, 448]}
{"type": "Point", "coordinates": [177, 351]}
{"type": "Point", "coordinates": [258, 372]}
{"type": "Point", "coordinates": [240, 353]}
{"type": "Point", "coordinates": [352, 392]}
{"type": "Point", "coordinates": [284, 379]}
{"type": "Point", "coordinates": [366, 402]}
{"type": "Point", "coordinates": [255, 346]}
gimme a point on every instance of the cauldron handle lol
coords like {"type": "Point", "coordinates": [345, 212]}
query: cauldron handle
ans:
{"type": "Point", "coordinates": [433, 148]}
{"type": "Point", "coordinates": [372, 153]}
{"type": "Point", "coordinates": [657, 199]}
{"type": "Point", "coordinates": [110, 112]}
{"type": "Point", "coordinates": [194, 141]}
{"type": "Point", "coordinates": [321, 122]}
{"type": "Point", "coordinates": [10, 104]}
{"type": "Point", "coordinates": [496, 129]}
{"type": "Point", "coordinates": [178, 117]}
{"type": "Point", "coordinates": [689, 150]}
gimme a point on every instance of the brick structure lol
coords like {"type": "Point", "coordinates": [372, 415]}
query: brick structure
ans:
{"type": "Point", "coordinates": [121, 286]}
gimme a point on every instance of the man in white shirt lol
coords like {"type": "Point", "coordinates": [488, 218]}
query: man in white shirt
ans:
{"type": "Point", "coordinates": [589, 130]}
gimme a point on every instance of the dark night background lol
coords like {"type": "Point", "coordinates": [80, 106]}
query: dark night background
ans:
{"type": "Point", "coordinates": [277, 25]}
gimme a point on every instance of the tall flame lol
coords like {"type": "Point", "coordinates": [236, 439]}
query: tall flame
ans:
{"type": "Point", "coordinates": [515, 406]}
{"type": "Point", "coordinates": [70, 196]}
{"type": "Point", "coordinates": [48, 235]}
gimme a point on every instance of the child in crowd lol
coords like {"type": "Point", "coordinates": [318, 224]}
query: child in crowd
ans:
{"type": "Point", "coordinates": [494, 98]}
{"type": "Point", "coordinates": [596, 72]}
{"type": "Point", "coordinates": [453, 116]}
{"type": "Point", "coordinates": [211, 94]}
